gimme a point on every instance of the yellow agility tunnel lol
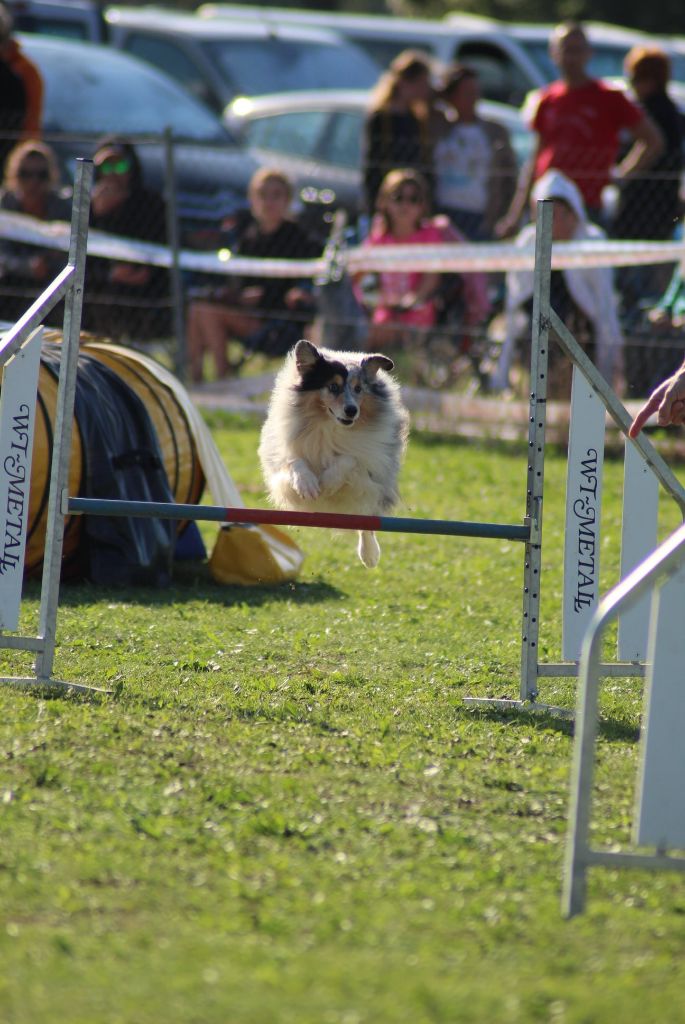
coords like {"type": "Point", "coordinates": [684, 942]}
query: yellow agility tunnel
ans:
{"type": "Point", "coordinates": [168, 444]}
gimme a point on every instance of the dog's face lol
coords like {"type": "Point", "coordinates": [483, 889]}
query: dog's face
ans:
{"type": "Point", "coordinates": [343, 387]}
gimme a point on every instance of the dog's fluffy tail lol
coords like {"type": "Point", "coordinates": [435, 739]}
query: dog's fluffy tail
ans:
{"type": "Point", "coordinates": [368, 549]}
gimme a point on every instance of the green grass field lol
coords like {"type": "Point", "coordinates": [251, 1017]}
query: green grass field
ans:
{"type": "Point", "coordinates": [285, 813]}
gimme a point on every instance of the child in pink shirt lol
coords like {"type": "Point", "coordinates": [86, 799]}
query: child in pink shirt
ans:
{"type": "Point", "coordinates": [406, 298]}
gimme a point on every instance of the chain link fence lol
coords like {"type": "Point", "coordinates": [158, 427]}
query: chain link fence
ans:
{"type": "Point", "coordinates": [203, 196]}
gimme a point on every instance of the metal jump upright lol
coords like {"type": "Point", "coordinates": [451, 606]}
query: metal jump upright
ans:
{"type": "Point", "coordinates": [68, 285]}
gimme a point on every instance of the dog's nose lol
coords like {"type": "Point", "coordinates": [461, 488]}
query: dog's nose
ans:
{"type": "Point", "coordinates": [350, 411]}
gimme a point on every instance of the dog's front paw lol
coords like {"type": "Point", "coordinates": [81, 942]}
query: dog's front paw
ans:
{"type": "Point", "coordinates": [304, 482]}
{"type": "Point", "coordinates": [337, 473]}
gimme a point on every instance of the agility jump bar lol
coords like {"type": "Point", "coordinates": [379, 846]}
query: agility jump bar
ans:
{"type": "Point", "coordinates": [271, 517]}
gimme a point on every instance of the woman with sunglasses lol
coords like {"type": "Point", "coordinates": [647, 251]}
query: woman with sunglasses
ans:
{"type": "Point", "coordinates": [31, 186]}
{"type": "Point", "coordinates": [126, 301]}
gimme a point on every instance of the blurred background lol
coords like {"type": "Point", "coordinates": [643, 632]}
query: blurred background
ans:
{"type": "Point", "coordinates": [207, 94]}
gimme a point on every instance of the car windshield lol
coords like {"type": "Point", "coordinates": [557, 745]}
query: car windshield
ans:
{"type": "Point", "coordinates": [250, 68]}
{"type": "Point", "coordinates": [118, 95]}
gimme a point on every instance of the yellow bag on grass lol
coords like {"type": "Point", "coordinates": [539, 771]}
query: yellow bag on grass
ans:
{"type": "Point", "coordinates": [250, 554]}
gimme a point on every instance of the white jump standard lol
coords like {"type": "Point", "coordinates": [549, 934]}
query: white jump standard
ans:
{"type": "Point", "coordinates": [68, 285]}
{"type": "Point", "coordinates": [592, 399]}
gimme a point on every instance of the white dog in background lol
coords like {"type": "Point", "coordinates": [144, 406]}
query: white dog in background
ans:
{"type": "Point", "coordinates": [335, 435]}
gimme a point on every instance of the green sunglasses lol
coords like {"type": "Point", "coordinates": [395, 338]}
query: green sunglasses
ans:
{"type": "Point", "coordinates": [122, 166]}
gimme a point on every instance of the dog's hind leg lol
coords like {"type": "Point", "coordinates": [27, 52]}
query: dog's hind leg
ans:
{"type": "Point", "coordinates": [369, 549]}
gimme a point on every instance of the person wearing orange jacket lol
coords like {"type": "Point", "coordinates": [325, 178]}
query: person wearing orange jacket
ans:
{"type": "Point", "coordinates": [26, 71]}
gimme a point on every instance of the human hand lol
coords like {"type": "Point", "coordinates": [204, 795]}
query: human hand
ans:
{"type": "Point", "coordinates": [407, 302]}
{"type": "Point", "coordinates": [296, 297]}
{"type": "Point", "coordinates": [505, 227]}
{"type": "Point", "coordinates": [668, 401]}
{"type": "Point", "coordinates": [130, 274]}
{"type": "Point", "coordinates": [251, 296]}
{"type": "Point", "coordinates": [659, 318]}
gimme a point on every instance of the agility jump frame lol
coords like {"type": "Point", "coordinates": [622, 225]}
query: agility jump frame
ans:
{"type": "Point", "coordinates": [593, 399]}
{"type": "Point", "coordinates": [61, 504]}
{"type": "Point", "coordinates": [529, 531]}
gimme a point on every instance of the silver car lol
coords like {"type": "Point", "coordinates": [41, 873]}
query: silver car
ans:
{"type": "Point", "coordinates": [219, 59]}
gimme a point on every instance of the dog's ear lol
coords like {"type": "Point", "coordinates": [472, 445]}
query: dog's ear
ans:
{"type": "Point", "coordinates": [306, 355]}
{"type": "Point", "coordinates": [372, 364]}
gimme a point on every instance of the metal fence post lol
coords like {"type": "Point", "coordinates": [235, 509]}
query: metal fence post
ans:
{"type": "Point", "coordinates": [180, 354]}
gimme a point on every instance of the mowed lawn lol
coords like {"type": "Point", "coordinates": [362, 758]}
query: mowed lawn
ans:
{"type": "Point", "coordinates": [286, 813]}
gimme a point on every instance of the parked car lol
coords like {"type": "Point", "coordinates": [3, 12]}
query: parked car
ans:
{"type": "Point", "coordinates": [316, 138]}
{"type": "Point", "coordinates": [219, 59]}
{"type": "Point", "coordinates": [75, 19]}
{"type": "Point", "coordinates": [507, 73]}
{"type": "Point", "coordinates": [92, 90]}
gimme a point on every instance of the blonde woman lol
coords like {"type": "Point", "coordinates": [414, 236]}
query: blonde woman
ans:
{"type": "Point", "coordinates": [266, 314]}
{"type": "Point", "coordinates": [31, 185]}
{"type": "Point", "coordinates": [399, 124]}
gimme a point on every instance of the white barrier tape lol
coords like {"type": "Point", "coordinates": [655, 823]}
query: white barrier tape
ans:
{"type": "Point", "coordinates": [18, 227]}
{"type": "Point", "coordinates": [473, 256]}
{"type": "Point", "coordinates": [482, 256]}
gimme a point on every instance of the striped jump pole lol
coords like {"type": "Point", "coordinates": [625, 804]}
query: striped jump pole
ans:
{"type": "Point", "coordinates": [325, 520]}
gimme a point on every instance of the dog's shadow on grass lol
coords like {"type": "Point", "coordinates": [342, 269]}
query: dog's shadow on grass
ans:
{"type": "Point", "coordinates": [192, 582]}
{"type": "Point", "coordinates": [614, 730]}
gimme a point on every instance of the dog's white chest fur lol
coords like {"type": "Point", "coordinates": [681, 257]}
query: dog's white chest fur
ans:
{"type": "Point", "coordinates": [335, 435]}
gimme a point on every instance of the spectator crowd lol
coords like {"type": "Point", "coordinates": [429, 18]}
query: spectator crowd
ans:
{"type": "Point", "coordinates": [434, 169]}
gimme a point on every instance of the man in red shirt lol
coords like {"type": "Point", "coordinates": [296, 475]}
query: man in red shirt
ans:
{"type": "Point", "coordinates": [578, 121]}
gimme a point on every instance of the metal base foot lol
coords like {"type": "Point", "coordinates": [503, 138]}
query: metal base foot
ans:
{"type": "Point", "coordinates": [529, 706]}
{"type": "Point", "coordinates": [53, 686]}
